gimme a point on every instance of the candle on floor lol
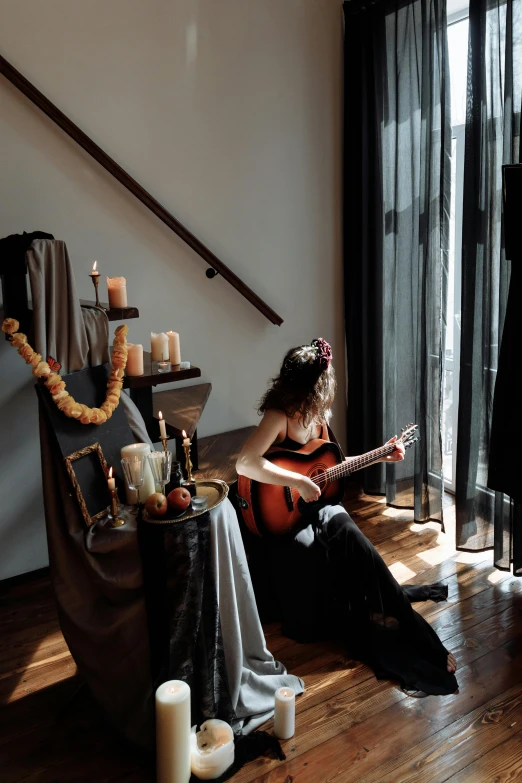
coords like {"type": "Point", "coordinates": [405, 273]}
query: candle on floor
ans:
{"type": "Point", "coordinates": [148, 488]}
{"type": "Point", "coordinates": [163, 431]}
{"type": "Point", "coordinates": [212, 749]}
{"type": "Point", "coordinates": [117, 292]}
{"type": "Point", "coordinates": [173, 732]}
{"type": "Point", "coordinates": [111, 483]}
{"type": "Point", "coordinates": [174, 349]}
{"type": "Point", "coordinates": [186, 441]}
{"type": "Point", "coordinates": [159, 346]}
{"type": "Point", "coordinates": [284, 714]}
{"type": "Point", "coordinates": [134, 359]}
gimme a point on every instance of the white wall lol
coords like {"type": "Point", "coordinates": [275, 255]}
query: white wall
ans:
{"type": "Point", "coordinates": [229, 113]}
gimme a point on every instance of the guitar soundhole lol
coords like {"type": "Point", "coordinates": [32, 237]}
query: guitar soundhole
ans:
{"type": "Point", "coordinates": [317, 470]}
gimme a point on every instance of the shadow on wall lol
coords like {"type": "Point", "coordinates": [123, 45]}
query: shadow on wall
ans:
{"type": "Point", "coordinates": [23, 541]}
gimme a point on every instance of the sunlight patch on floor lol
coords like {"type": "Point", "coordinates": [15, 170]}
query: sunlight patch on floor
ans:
{"type": "Point", "coordinates": [470, 557]}
{"type": "Point", "coordinates": [498, 576]}
{"type": "Point", "coordinates": [396, 512]}
{"type": "Point", "coordinates": [401, 572]}
{"type": "Point", "coordinates": [420, 528]}
{"type": "Point", "coordinates": [437, 555]}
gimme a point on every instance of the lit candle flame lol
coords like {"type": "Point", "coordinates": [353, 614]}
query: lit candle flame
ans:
{"type": "Point", "coordinates": [110, 472]}
{"type": "Point", "coordinates": [184, 434]}
{"type": "Point", "coordinates": [160, 415]}
{"type": "Point", "coordinates": [94, 266]}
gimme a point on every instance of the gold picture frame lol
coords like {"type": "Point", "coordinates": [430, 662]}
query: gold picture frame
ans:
{"type": "Point", "coordinates": [94, 448]}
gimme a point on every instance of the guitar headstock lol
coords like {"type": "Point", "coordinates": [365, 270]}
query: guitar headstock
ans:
{"type": "Point", "coordinates": [409, 435]}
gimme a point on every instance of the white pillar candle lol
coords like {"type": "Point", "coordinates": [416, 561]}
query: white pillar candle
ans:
{"type": "Point", "coordinates": [284, 715]}
{"type": "Point", "coordinates": [159, 346]}
{"type": "Point", "coordinates": [148, 487]}
{"type": "Point", "coordinates": [163, 431]}
{"type": "Point", "coordinates": [134, 359]}
{"type": "Point", "coordinates": [173, 732]}
{"type": "Point", "coordinates": [117, 292]}
{"type": "Point", "coordinates": [211, 749]}
{"type": "Point", "coordinates": [174, 349]}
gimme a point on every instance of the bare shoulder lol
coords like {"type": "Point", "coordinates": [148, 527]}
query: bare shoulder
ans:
{"type": "Point", "coordinates": [272, 428]}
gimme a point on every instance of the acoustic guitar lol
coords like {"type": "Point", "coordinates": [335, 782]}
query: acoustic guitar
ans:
{"type": "Point", "coordinates": [269, 509]}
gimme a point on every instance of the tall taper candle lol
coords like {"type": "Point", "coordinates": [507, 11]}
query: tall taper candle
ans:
{"type": "Point", "coordinates": [173, 732]}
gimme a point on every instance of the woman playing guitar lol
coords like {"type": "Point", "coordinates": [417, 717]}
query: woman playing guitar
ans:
{"type": "Point", "coordinates": [326, 577]}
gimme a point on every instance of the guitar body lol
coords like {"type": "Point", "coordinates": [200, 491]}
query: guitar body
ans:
{"type": "Point", "coordinates": [268, 509]}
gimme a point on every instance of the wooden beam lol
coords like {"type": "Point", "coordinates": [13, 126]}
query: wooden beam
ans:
{"type": "Point", "coordinates": [72, 130]}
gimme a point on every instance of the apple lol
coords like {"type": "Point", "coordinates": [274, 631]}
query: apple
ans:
{"type": "Point", "coordinates": [156, 504]}
{"type": "Point", "coordinates": [179, 499]}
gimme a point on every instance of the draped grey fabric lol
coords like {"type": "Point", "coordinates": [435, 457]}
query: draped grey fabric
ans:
{"type": "Point", "coordinates": [97, 573]}
{"type": "Point", "coordinates": [397, 238]}
{"type": "Point", "coordinates": [485, 518]}
{"type": "Point", "coordinates": [75, 336]}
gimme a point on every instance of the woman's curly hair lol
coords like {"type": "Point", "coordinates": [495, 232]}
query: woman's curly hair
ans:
{"type": "Point", "coordinates": [305, 384]}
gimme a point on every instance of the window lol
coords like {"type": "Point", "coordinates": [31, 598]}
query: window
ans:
{"type": "Point", "coordinates": [458, 66]}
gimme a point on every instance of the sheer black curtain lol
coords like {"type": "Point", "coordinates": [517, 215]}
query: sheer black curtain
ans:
{"type": "Point", "coordinates": [397, 204]}
{"type": "Point", "coordinates": [486, 518]}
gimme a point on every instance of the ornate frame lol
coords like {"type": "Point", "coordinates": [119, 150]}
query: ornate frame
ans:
{"type": "Point", "coordinates": [94, 447]}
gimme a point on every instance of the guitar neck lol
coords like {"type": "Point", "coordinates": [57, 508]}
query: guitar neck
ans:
{"type": "Point", "coordinates": [346, 468]}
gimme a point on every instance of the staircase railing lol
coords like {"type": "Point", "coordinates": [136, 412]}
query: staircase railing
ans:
{"type": "Point", "coordinates": [110, 165]}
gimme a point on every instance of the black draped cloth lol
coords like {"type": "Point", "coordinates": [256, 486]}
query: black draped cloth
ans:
{"type": "Point", "coordinates": [488, 510]}
{"type": "Point", "coordinates": [397, 178]}
{"type": "Point", "coordinates": [183, 616]}
{"type": "Point", "coordinates": [328, 581]}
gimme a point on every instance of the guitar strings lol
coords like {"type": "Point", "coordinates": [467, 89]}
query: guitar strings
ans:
{"type": "Point", "coordinates": [345, 468]}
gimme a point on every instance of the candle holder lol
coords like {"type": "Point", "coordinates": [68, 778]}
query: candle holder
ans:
{"type": "Point", "coordinates": [164, 441]}
{"type": "Point", "coordinates": [164, 366]}
{"type": "Point", "coordinates": [115, 519]}
{"type": "Point", "coordinates": [96, 282]}
{"type": "Point", "coordinates": [190, 482]}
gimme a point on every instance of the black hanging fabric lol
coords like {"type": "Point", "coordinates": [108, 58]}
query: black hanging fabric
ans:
{"type": "Point", "coordinates": [397, 153]}
{"type": "Point", "coordinates": [485, 516]}
{"type": "Point", "coordinates": [182, 614]}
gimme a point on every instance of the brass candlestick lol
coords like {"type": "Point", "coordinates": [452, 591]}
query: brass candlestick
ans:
{"type": "Point", "coordinates": [96, 282]}
{"type": "Point", "coordinates": [116, 521]}
{"type": "Point", "coordinates": [164, 441]}
{"type": "Point", "coordinates": [190, 483]}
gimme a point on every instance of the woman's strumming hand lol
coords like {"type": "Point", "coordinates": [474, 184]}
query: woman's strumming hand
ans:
{"type": "Point", "coordinates": [397, 454]}
{"type": "Point", "coordinates": [308, 490]}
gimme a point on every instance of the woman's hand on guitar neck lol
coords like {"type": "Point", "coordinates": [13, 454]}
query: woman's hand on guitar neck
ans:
{"type": "Point", "coordinates": [308, 490]}
{"type": "Point", "coordinates": [397, 454]}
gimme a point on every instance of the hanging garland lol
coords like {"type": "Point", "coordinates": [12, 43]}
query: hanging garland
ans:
{"type": "Point", "coordinates": [49, 372]}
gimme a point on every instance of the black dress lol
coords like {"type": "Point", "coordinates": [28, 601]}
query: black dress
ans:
{"type": "Point", "coordinates": [328, 581]}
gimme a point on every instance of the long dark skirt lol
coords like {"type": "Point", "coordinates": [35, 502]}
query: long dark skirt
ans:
{"type": "Point", "coordinates": [328, 581]}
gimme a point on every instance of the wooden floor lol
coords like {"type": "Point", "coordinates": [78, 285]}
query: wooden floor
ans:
{"type": "Point", "coordinates": [349, 726]}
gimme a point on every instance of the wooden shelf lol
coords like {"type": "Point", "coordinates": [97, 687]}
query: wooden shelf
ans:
{"type": "Point", "coordinates": [182, 408]}
{"type": "Point", "coordinates": [114, 314]}
{"type": "Point", "coordinates": [151, 376]}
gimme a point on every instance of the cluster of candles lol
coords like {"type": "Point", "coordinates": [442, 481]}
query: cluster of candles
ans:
{"type": "Point", "coordinates": [164, 349]}
{"type": "Point", "coordinates": [210, 752]}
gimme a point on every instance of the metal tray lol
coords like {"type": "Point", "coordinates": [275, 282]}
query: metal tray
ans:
{"type": "Point", "coordinates": [214, 490]}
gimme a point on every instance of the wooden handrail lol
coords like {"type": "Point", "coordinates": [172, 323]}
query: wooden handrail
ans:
{"type": "Point", "coordinates": [43, 103]}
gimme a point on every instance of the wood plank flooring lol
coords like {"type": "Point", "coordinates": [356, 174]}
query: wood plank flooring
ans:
{"type": "Point", "coordinates": [349, 727]}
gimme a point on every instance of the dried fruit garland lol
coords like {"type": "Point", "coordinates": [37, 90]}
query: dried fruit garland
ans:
{"type": "Point", "coordinates": [56, 385]}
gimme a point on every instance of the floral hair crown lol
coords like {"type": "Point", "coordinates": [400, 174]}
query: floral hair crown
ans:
{"type": "Point", "coordinates": [323, 352]}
